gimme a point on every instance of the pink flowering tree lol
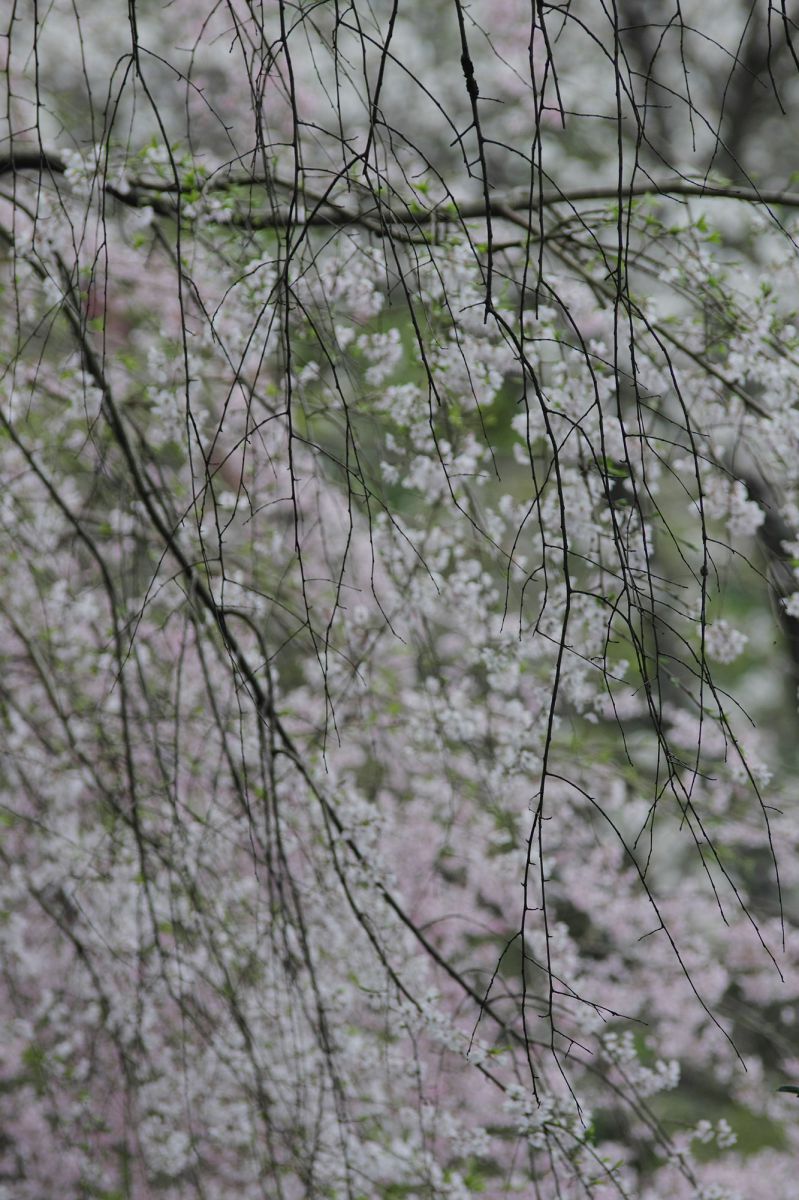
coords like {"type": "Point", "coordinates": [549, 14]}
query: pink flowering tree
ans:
{"type": "Point", "coordinates": [400, 601]}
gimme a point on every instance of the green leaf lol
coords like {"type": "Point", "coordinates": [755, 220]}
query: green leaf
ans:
{"type": "Point", "coordinates": [789, 1087]}
{"type": "Point", "coordinates": [615, 469]}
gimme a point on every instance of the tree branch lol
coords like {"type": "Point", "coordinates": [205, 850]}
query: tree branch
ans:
{"type": "Point", "coordinates": [156, 194]}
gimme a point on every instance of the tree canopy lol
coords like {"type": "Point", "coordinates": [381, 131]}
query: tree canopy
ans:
{"type": "Point", "coordinates": [400, 604]}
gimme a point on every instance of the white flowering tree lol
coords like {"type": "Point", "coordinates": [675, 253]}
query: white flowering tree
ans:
{"type": "Point", "coordinates": [400, 622]}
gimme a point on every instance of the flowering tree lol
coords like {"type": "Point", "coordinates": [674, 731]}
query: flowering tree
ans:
{"type": "Point", "coordinates": [400, 646]}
